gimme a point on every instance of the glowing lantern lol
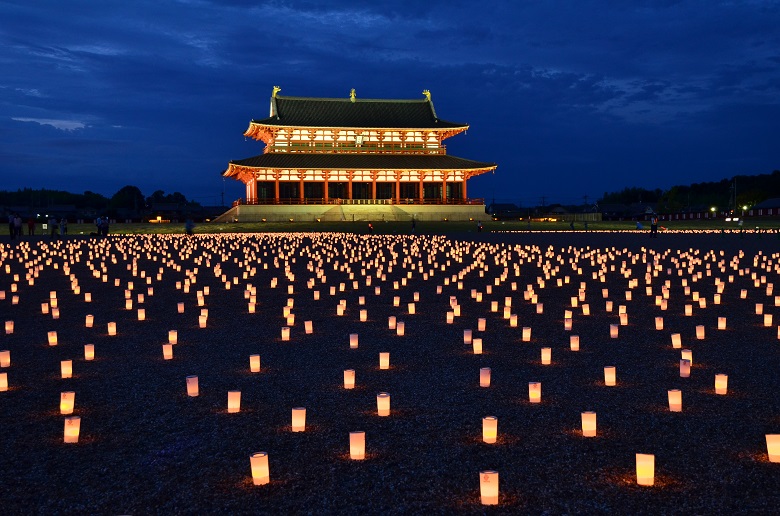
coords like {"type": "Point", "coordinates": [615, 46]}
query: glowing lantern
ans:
{"type": "Point", "coordinates": [489, 429]}
{"type": "Point", "coordinates": [383, 404]}
{"type": "Point", "coordinates": [192, 386]}
{"type": "Point", "coordinates": [89, 351]}
{"type": "Point", "coordinates": [535, 392]}
{"type": "Point", "coordinates": [759, 308]}
{"type": "Point", "coordinates": [112, 328]}
{"type": "Point", "coordinates": [353, 341]}
{"type": "Point", "coordinates": [526, 333]}
{"type": "Point", "coordinates": [476, 345]}
{"type": "Point", "coordinates": [202, 321]}
{"type": "Point", "coordinates": [645, 469]}
{"type": "Point", "coordinates": [72, 429]}
{"type": "Point", "coordinates": [546, 356]}
{"type": "Point", "coordinates": [167, 351]}
{"type": "Point", "coordinates": [254, 363]}
{"type": "Point", "coordinates": [467, 337]}
{"type": "Point", "coordinates": [513, 320]}
{"type": "Point", "coordinates": [66, 368]}
{"type": "Point", "coordinates": [688, 310]}
{"type": "Point", "coordinates": [484, 377]}
{"type": "Point", "coordinates": [609, 376]}
{"type": "Point", "coordinates": [608, 306]}
{"type": "Point", "coordinates": [67, 401]}
{"type": "Point", "coordinates": [567, 322]}
{"type": "Point", "coordinates": [659, 323]}
{"type": "Point", "coordinates": [363, 315]}
{"type": "Point", "coordinates": [349, 378]}
{"type": "Point", "coordinates": [687, 354]}
{"type": "Point", "coordinates": [481, 322]}
{"type": "Point", "coordinates": [773, 447]}
{"type": "Point", "coordinates": [259, 464]}
{"type": "Point", "coordinates": [173, 337]}
{"type": "Point", "coordinates": [141, 314]}
{"type": "Point", "coordinates": [308, 327]}
{"type": "Point", "coordinates": [9, 327]}
{"type": "Point", "coordinates": [450, 317]}
{"type": "Point", "coordinates": [5, 358]}
{"type": "Point", "coordinates": [357, 445]}
{"type": "Point", "coordinates": [574, 342]}
{"type": "Point", "coordinates": [540, 308]}
{"type": "Point", "coordinates": [89, 321]}
{"type": "Point", "coordinates": [700, 332]}
{"type": "Point", "coordinates": [285, 333]}
{"type": "Point", "coordinates": [685, 368]}
{"type": "Point", "coordinates": [399, 328]}
{"type": "Point", "coordinates": [675, 400]}
{"type": "Point", "coordinates": [721, 383]}
{"type": "Point", "coordinates": [384, 360]}
{"type": "Point", "coordinates": [391, 324]}
{"type": "Point", "coordinates": [488, 487]}
{"type": "Point", "coordinates": [52, 336]}
{"type": "Point", "coordinates": [613, 331]}
{"type": "Point", "coordinates": [411, 308]}
{"type": "Point", "coordinates": [767, 320]}
{"type": "Point", "coordinates": [298, 419]}
{"type": "Point", "coordinates": [676, 342]}
{"type": "Point", "coordinates": [180, 307]}
{"type": "Point", "coordinates": [588, 424]}
{"type": "Point", "coordinates": [721, 323]}
{"type": "Point", "coordinates": [3, 382]}
{"type": "Point", "coordinates": [234, 401]}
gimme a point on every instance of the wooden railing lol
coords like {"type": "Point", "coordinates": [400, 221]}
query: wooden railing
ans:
{"type": "Point", "coordinates": [316, 200]}
{"type": "Point", "coordinates": [351, 148]}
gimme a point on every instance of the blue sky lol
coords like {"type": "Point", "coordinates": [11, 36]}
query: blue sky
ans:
{"type": "Point", "coordinates": [570, 98]}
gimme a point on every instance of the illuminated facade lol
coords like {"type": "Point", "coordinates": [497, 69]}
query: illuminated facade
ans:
{"type": "Point", "coordinates": [354, 151]}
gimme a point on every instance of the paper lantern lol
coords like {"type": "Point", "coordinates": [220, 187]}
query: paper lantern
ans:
{"type": "Point", "coordinates": [167, 351]}
{"type": "Point", "coordinates": [3, 382]}
{"type": "Point", "coordinates": [721, 383]}
{"type": "Point", "coordinates": [298, 419]}
{"type": "Point", "coordinates": [759, 308]}
{"type": "Point", "coordinates": [192, 386]}
{"type": "Point", "coordinates": [659, 323]}
{"type": "Point", "coordinates": [353, 341]}
{"type": "Point", "coordinates": [535, 392]}
{"type": "Point", "coordinates": [285, 333]}
{"type": "Point", "coordinates": [349, 378]}
{"type": "Point", "coordinates": [588, 424]}
{"type": "Point", "coordinates": [467, 337]}
{"type": "Point", "coordinates": [450, 317]}
{"type": "Point", "coordinates": [610, 376]}
{"type": "Point", "coordinates": [489, 429]}
{"type": "Point", "coordinates": [112, 329]}
{"type": "Point", "coordinates": [89, 351]}
{"type": "Point", "coordinates": [180, 307]}
{"type": "Point", "coordinates": [400, 328]}
{"type": "Point", "coordinates": [574, 342]}
{"type": "Point", "coordinates": [89, 321]}
{"type": "Point", "coordinates": [411, 308]}
{"type": "Point", "coordinates": [9, 327]}
{"type": "Point", "coordinates": [141, 314]}
{"type": "Point", "coordinates": [357, 445]}
{"type": "Point", "coordinates": [567, 322]}
{"type": "Point", "coordinates": [456, 310]}
{"type": "Point", "coordinates": [645, 469]}
{"type": "Point", "coordinates": [384, 360]}
{"type": "Point", "coordinates": [488, 487]}
{"type": "Point", "coordinates": [613, 331]}
{"type": "Point", "coordinates": [254, 363]}
{"type": "Point", "coordinates": [173, 337]}
{"type": "Point", "coordinates": [66, 368]}
{"type": "Point", "coordinates": [383, 404]}
{"type": "Point", "coordinates": [291, 320]}
{"type": "Point", "coordinates": [539, 308]}
{"type": "Point", "coordinates": [308, 327]}
{"type": "Point", "coordinates": [476, 345]}
{"type": "Point", "coordinates": [202, 321]}
{"type": "Point", "coordinates": [513, 320]}
{"type": "Point", "coordinates": [688, 310]}
{"type": "Point", "coordinates": [72, 429]}
{"type": "Point", "coordinates": [700, 332]}
{"type": "Point", "coordinates": [67, 401]}
{"type": "Point", "coordinates": [687, 354]}
{"type": "Point", "coordinates": [259, 463]}
{"type": "Point", "coordinates": [234, 401]}
{"type": "Point", "coordinates": [481, 323]}
{"type": "Point", "coordinates": [5, 358]}
{"type": "Point", "coordinates": [52, 337]}
{"type": "Point", "coordinates": [363, 315]}
{"type": "Point", "coordinates": [676, 341]}
{"type": "Point", "coordinates": [773, 447]}
{"type": "Point", "coordinates": [675, 400]}
{"type": "Point", "coordinates": [87, 297]}
{"type": "Point", "coordinates": [767, 320]}
{"type": "Point", "coordinates": [608, 306]}
{"type": "Point", "coordinates": [484, 377]}
{"type": "Point", "coordinates": [391, 324]}
{"type": "Point", "coordinates": [685, 368]}
{"type": "Point", "coordinates": [546, 356]}
{"type": "Point", "coordinates": [721, 323]}
{"type": "Point", "coordinates": [526, 334]}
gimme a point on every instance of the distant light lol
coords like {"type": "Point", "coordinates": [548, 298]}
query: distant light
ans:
{"type": "Point", "coordinates": [712, 209]}
{"type": "Point", "coordinates": [745, 207]}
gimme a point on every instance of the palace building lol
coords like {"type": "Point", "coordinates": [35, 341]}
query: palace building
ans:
{"type": "Point", "coordinates": [369, 159]}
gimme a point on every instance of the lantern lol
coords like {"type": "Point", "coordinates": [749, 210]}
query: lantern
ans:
{"type": "Point", "coordinates": [513, 320]}
{"type": "Point", "coordinates": [467, 337]}
{"type": "Point", "coordinates": [700, 332]}
{"type": "Point", "coordinates": [141, 314]}
{"type": "Point", "coordinates": [383, 404]}
{"type": "Point", "coordinates": [254, 363]}
{"type": "Point", "coordinates": [489, 429]}
{"type": "Point", "coordinates": [688, 310]}
{"type": "Point", "coordinates": [484, 377]}
{"type": "Point", "coordinates": [180, 307]}
{"type": "Point", "coordinates": [52, 336]}
{"type": "Point", "coordinates": [72, 428]}
{"type": "Point", "coordinates": [645, 469]}
{"type": "Point", "coordinates": [357, 445]}
{"type": "Point", "coordinates": [67, 401]}
{"type": "Point", "coordinates": [481, 322]}
{"type": "Point", "coordinates": [66, 368]}
{"type": "Point", "coordinates": [767, 320]}
{"type": "Point", "coordinates": [659, 323]}
{"type": "Point", "coordinates": [89, 321]}
{"type": "Point", "coordinates": [540, 308]}
{"type": "Point", "coordinates": [353, 341]}
{"type": "Point", "coordinates": [488, 487]}
{"type": "Point", "coordinates": [608, 306]}
{"type": "Point", "coordinates": [391, 324]}
{"type": "Point", "coordinates": [526, 333]}
{"type": "Point", "coordinates": [202, 321]}
{"type": "Point", "coordinates": [234, 401]}
{"type": "Point", "coordinates": [399, 328]}
{"type": "Point", "coordinates": [588, 424]}
{"type": "Point", "coordinates": [3, 382]}
{"type": "Point", "coordinates": [349, 378]}
{"type": "Point", "coordinates": [89, 351]}
{"type": "Point", "coordinates": [687, 354]}
{"type": "Point", "coordinates": [308, 327]}
{"type": "Point", "coordinates": [721, 383]}
{"type": "Point", "coordinates": [546, 356]}
{"type": "Point", "coordinates": [685, 368]}
{"type": "Point", "coordinates": [285, 333]}
{"type": "Point", "coordinates": [259, 464]}
{"type": "Point", "coordinates": [192, 386]}
{"type": "Point", "coordinates": [167, 351]}
{"type": "Point", "coordinates": [609, 376]}
{"type": "Point", "coordinates": [298, 419]}
{"type": "Point", "coordinates": [759, 308]}
{"type": "Point", "coordinates": [9, 327]}
{"type": "Point", "coordinates": [675, 400]}
{"type": "Point", "coordinates": [535, 392]}
{"type": "Point", "coordinates": [477, 346]}
{"type": "Point", "coordinates": [574, 342]}
{"type": "Point", "coordinates": [773, 447]}
{"type": "Point", "coordinates": [450, 317]}
{"type": "Point", "coordinates": [384, 360]}
{"type": "Point", "coordinates": [721, 323]}
{"type": "Point", "coordinates": [5, 358]}
{"type": "Point", "coordinates": [676, 342]}
{"type": "Point", "coordinates": [112, 329]}
{"type": "Point", "coordinates": [613, 331]}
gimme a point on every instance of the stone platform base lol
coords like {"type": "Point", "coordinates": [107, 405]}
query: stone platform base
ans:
{"type": "Point", "coordinates": [345, 212]}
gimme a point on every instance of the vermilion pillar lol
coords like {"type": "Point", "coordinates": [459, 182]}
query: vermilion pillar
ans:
{"type": "Point", "coordinates": [463, 192]}
{"type": "Point", "coordinates": [421, 193]}
{"type": "Point", "coordinates": [276, 189]}
{"type": "Point", "coordinates": [325, 186]}
{"type": "Point", "coordinates": [373, 186]}
{"type": "Point", "coordinates": [397, 189]}
{"type": "Point", "coordinates": [300, 188]}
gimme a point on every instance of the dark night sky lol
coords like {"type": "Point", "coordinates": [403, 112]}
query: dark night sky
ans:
{"type": "Point", "coordinates": [569, 98]}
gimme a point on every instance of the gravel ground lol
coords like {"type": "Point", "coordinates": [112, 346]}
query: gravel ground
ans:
{"type": "Point", "coordinates": [146, 447]}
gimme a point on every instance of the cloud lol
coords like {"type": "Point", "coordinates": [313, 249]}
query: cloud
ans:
{"type": "Point", "coordinates": [62, 125]}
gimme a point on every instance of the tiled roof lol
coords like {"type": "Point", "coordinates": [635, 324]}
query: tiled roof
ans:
{"type": "Point", "coordinates": [379, 113]}
{"type": "Point", "coordinates": [361, 162]}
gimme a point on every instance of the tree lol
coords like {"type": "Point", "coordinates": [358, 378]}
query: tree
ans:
{"type": "Point", "coordinates": [127, 198]}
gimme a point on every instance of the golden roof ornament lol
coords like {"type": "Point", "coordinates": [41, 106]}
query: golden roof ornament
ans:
{"type": "Point", "coordinates": [277, 89]}
{"type": "Point", "coordinates": [352, 95]}
{"type": "Point", "coordinates": [427, 94]}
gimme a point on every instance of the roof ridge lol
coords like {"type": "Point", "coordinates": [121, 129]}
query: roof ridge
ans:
{"type": "Point", "coordinates": [347, 99]}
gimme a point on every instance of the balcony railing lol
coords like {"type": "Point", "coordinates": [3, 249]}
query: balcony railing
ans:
{"type": "Point", "coordinates": [320, 200]}
{"type": "Point", "coordinates": [351, 148]}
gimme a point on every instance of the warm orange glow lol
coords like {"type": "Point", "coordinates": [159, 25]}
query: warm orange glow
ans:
{"type": "Point", "coordinates": [254, 363]}
{"type": "Point", "coordinates": [645, 469]}
{"type": "Point", "coordinates": [298, 419]}
{"type": "Point", "coordinates": [67, 402]}
{"type": "Point", "coordinates": [192, 386]}
{"type": "Point", "coordinates": [489, 429]}
{"type": "Point", "coordinates": [610, 376]}
{"type": "Point", "coordinates": [675, 400]}
{"type": "Point", "coordinates": [588, 424]}
{"type": "Point", "coordinates": [349, 378]}
{"type": "Point", "coordinates": [72, 429]}
{"type": "Point", "coordinates": [488, 487]}
{"type": "Point", "coordinates": [234, 401]}
{"type": "Point", "coordinates": [721, 384]}
{"type": "Point", "coordinates": [259, 463]}
{"type": "Point", "coordinates": [383, 404]}
{"type": "Point", "coordinates": [535, 392]}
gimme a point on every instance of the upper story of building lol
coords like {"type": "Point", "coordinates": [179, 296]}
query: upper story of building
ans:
{"type": "Point", "coordinates": [352, 126]}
